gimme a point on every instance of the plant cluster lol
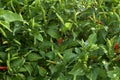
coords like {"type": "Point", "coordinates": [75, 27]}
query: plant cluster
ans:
{"type": "Point", "coordinates": [59, 39]}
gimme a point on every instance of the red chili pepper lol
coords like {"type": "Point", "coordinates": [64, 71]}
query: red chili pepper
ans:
{"type": "Point", "coordinates": [116, 46]}
{"type": "Point", "coordinates": [59, 41]}
{"type": "Point", "coordinates": [3, 67]}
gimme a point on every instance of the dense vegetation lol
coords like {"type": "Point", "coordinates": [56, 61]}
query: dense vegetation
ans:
{"type": "Point", "coordinates": [59, 39]}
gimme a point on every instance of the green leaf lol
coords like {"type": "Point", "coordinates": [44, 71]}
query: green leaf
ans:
{"type": "Point", "coordinates": [78, 69]}
{"type": "Point", "coordinates": [30, 78]}
{"type": "Point", "coordinates": [61, 77]}
{"type": "Point", "coordinates": [18, 63]}
{"type": "Point", "coordinates": [46, 44]}
{"type": "Point", "coordinates": [53, 33]}
{"type": "Point", "coordinates": [38, 36]}
{"type": "Point", "coordinates": [114, 74]}
{"type": "Point", "coordinates": [20, 76]}
{"type": "Point", "coordinates": [56, 69]}
{"type": "Point", "coordinates": [22, 69]}
{"type": "Point", "coordinates": [92, 75]}
{"type": "Point", "coordinates": [33, 57]}
{"type": "Point", "coordinates": [28, 68]}
{"type": "Point", "coordinates": [7, 77]}
{"type": "Point", "coordinates": [42, 71]}
{"type": "Point", "coordinates": [92, 38]}
{"type": "Point", "coordinates": [3, 55]}
{"type": "Point", "coordinates": [94, 47]}
{"type": "Point", "coordinates": [50, 55]}
{"type": "Point", "coordinates": [10, 16]}
{"type": "Point", "coordinates": [68, 55]}
{"type": "Point", "coordinates": [109, 43]}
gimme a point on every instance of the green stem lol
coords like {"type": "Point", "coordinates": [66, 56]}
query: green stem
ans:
{"type": "Point", "coordinates": [74, 77]}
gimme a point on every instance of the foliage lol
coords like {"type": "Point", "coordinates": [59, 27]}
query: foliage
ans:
{"type": "Point", "coordinates": [59, 39]}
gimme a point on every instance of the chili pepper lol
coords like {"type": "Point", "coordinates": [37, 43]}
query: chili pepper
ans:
{"type": "Point", "coordinates": [59, 41]}
{"type": "Point", "coordinates": [3, 67]}
{"type": "Point", "coordinates": [116, 46]}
